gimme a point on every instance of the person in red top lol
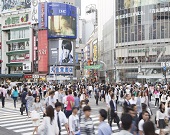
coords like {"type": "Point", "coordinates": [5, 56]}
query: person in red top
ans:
{"type": "Point", "coordinates": [70, 104]}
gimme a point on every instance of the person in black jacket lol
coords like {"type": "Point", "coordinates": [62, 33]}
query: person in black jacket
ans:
{"type": "Point", "coordinates": [23, 101]}
{"type": "Point", "coordinates": [113, 108]}
{"type": "Point", "coordinates": [126, 104]}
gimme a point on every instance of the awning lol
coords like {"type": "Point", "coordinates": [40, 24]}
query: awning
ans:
{"type": "Point", "coordinates": [13, 64]}
{"type": "Point", "coordinates": [18, 40]}
{"type": "Point", "coordinates": [11, 75]}
{"type": "Point", "coordinates": [17, 52]}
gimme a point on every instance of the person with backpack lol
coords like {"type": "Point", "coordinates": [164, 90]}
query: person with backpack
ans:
{"type": "Point", "coordinates": [50, 100]}
{"type": "Point", "coordinates": [70, 104]}
{"type": "Point", "coordinates": [15, 95]}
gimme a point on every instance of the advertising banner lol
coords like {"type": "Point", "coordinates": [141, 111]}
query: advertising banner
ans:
{"type": "Point", "coordinates": [13, 5]}
{"type": "Point", "coordinates": [26, 66]}
{"type": "Point", "coordinates": [42, 15]}
{"type": "Point", "coordinates": [15, 21]}
{"type": "Point", "coordinates": [62, 21]}
{"type": "Point", "coordinates": [61, 70]}
{"type": "Point", "coordinates": [53, 52]}
{"type": "Point", "coordinates": [66, 49]}
{"type": "Point", "coordinates": [42, 51]}
{"type": "Point", "coordinates": [34, 11]}
{"type": "Point", "coordinates": [19, 57]}
{"type": "Point", "coordinates": [95, 52]}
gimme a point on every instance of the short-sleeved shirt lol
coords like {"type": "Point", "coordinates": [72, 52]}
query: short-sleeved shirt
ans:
{"type": "Point", "coordinates": [69, 99]}
{"type": "Point", "coordinates": [140, 125]}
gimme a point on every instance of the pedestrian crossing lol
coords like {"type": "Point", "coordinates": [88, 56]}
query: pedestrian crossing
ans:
{"type": "Point", "coordinates": [21, 124]}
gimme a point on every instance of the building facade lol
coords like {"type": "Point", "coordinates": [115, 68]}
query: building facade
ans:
{"type": "Point", "coordinates": [142, 40]}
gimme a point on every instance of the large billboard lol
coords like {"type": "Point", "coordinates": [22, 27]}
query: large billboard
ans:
{"type": "Point", "coordinates": [62, 20]}
{"type": "Point", "coordinates": [66, 49]}
{"type": "Point", "coordinates": [42, 51]}
{"type": "Point", "coordinates": [53, 52]}
{"type": "Point", "coordinates": [13, 5]}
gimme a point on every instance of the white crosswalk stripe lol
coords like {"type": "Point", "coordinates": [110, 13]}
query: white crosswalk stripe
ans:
{"type": "Point", "coordinates": [12, 120]}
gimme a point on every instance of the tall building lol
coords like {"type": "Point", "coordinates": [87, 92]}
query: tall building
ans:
{"type": "Point", "coordinates": [142, 40]}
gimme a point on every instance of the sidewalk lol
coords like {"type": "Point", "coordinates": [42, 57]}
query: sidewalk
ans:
{"type": "Point", "coordinates": [4, 131]}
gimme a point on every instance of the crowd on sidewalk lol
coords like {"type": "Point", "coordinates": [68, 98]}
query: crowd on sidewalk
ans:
{"type": "Point", "coordinates": [69, 106]}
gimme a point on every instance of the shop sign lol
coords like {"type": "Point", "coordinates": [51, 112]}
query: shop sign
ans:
{"type": "Point", "coordinates": [34, 11]}
{"type": "Point", "coordinates": [20, 57]}
{"type": "Point", "coordinates": [27, 66]}
{"type": "Point", "coordinates": [27, 76]}
{"type": "Point", "coordinates": [143, 50]}
{"type": "Point", "coordinates": [36, 76]}
{"type": "Point", "coordinates": [61, 70]}
{"type": "Point", "coordinates": [151, 11]}
{"type": "Point", "coordinates": [93, 67]}
{"type": "Point", "coordinates": [16, 21]}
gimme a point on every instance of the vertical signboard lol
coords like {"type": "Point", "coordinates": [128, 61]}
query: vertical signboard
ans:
{"type": "Point", "coordinates": [34, 11]}
{"type": "Point", "coordinates": [42, 15]}
{"type": "Point", "coordinates": [42, 51]}
{"type": "Point", "coordinates": [53, 52]}
{"type": "Point", "coordinates": [95, 52]}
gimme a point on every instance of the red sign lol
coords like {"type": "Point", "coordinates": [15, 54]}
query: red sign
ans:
{"type": "Point", "coordinates": [42, 51]}
{"type": "Point", "coordinates": [27, 76]}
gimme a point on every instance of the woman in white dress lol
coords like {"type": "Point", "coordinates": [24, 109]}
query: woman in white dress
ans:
{"type": "Point", "coordinates": [49, 125]}
{"type": "Point", "coordinates": [37, 106]}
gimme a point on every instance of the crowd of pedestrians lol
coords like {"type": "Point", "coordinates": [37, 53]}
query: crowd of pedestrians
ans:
{"type": "Point", "coordinates": [69, 106]}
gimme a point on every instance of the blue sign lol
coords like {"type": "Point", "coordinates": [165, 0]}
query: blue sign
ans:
{"type": "Point", "coordinates": [42, 15]}
{"type": "Point", "coordinates": [62, 20]}
{"type": "Point", "coordinates": [61, 70]}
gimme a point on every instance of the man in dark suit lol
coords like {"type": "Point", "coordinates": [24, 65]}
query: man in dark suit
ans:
{"type": "Point", "coordinates": [126, 104]}
{"type": "Point", "coordinates": [113, 108]}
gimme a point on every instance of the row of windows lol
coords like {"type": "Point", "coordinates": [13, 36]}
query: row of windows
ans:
{"type": "Point", "coordinates": [19, 34]}
{"type": "Point", "coordinates": [143, 32]}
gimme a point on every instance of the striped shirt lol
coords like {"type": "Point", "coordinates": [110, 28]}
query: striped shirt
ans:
{"type": "Point", "coordinates": [86, 126]}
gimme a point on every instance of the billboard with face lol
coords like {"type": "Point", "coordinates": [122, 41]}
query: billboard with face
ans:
{"type": "Point", "coordinates": [62, 20]}
{"type": "Point", "coordinates": [13, 5]}
{"type": "Point", "coordinates": [65, 52]}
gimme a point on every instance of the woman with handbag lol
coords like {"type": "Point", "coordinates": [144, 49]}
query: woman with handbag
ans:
{"type": "Point", "coordinates": [35, 115]}
{"type": "Point", "coordinates": [49, 125]}
{"type": "Point", "coordinates": [161, 119]}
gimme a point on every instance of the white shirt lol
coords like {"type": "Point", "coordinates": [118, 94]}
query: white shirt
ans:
{"type": "Point", "coordinates": [143, 100]}
{"type": "Point", "coordinates": [108, 98]}
{"type": "Point", "coordinates": [160, 115]}
{"type": "Point", "coordinates": [74, 125]}
{"type": "Point", "coordinates": [52, 129]}
{"type": "Point", "coordinates": [127, 91]}
{"type": "Point", "coordinates": [140, 125]}
{"type": "Point", "coordinates": [62, 117]}
{"type": "Point", "coordinates": [50, 101]}
{"type": "Point", "coordinates": [56, 94]}
{"type": "Point", "coordinates": [64, 101]}
{"type": "Point", "coordinates": [132, 101]}
{"type": "Point", "coordinates": [163, 98]}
